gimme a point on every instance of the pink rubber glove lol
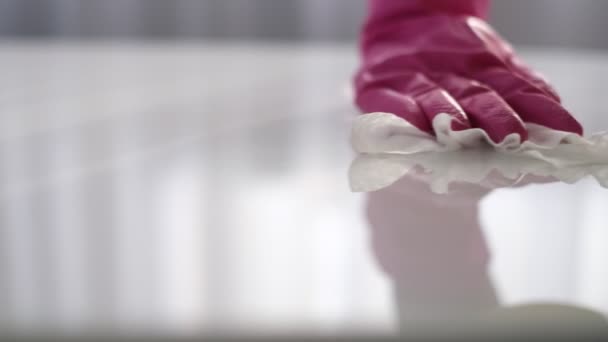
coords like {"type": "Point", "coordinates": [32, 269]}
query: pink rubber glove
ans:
{"type": "Point", "coordinates": [425, 57]}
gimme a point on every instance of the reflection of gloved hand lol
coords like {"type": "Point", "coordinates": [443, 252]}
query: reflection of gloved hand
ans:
{"type": "Point", "coordinates": [425, 57]}
{"type": "Point", "coordinates": [434, 251]}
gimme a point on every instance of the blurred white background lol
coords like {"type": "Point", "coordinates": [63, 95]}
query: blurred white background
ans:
{"type": "Point", "coordinates": [201, 184]}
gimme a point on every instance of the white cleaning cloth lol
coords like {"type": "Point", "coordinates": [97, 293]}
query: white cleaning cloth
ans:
{"type": "Point", "coordinates": [389, 148]}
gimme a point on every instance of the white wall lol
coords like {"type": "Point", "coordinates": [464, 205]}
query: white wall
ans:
{"type": "Point", "coordinates": [549, 22]}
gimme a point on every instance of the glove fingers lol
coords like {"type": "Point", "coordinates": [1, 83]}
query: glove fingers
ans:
{"type": "Point", "coordinates": [533, 77]}
{"type": "Point", "coordinates": [384, 99]}
{"type": "Point", "coordinates": [439, 101]}
{"type": "Point", "coordinates": [531, 103]}
{"type": "Point", "coordinates": [485, 108]}
{"type": "Point", "coordinates": [542, 110]}
{"type": "Point", "coordinates": [432, 99]}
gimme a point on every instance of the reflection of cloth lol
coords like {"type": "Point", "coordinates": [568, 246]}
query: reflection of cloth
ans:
{"type": "Point", "coordinates": [390, 147]}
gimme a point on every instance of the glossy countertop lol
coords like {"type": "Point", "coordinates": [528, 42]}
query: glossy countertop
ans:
{"type": "Point", "coordinates": [202, 186]}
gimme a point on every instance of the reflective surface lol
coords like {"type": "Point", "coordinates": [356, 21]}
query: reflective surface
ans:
{"type": "Point", "coordinates": [203, 187]}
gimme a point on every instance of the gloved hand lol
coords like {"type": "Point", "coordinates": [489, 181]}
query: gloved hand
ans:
{"type": "Point", "coordinates": [425, 57]}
